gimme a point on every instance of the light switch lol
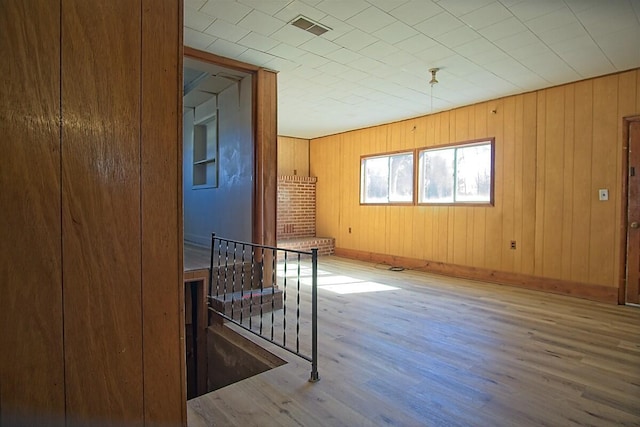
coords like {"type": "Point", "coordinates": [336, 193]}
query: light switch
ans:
{"type": "Point", "coordinates": [603, 194]}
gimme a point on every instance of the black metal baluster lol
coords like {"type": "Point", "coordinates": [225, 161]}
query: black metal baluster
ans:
{"type": "Point", "coordinates": [284, 302]}
{"type": "Point", "coordinates": [274, 255]}
{"type": "Point", "coordinates": [298, 311]}
{"type": "Point", "coordinates": [242, 284]}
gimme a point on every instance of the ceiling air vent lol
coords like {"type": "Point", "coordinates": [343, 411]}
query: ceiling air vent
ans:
{"type": "Point", "coordinates": [310, 26]}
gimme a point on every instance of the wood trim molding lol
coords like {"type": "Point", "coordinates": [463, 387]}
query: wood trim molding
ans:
{"type": "Point", "coordinates": [219, 60]}
{"type": "Point", "coordinates": [624, 206]}
{"type": "Point", "coordinates": [588, 291]}
{"type": "Point", "coordinates": [266, 157]}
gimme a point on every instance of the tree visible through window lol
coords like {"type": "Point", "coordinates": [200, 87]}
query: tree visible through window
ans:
{"type": "Point", "coordinates": [387, 179]}
{"type": "Point", "coordinates": [456, 174]}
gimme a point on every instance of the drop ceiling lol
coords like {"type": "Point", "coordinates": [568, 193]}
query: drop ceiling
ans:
{"type": "Point", "coordinates": [372, 66]}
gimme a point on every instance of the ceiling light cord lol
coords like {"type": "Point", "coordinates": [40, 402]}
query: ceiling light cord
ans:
{"type": "Point", "coordinates": [432, 82]}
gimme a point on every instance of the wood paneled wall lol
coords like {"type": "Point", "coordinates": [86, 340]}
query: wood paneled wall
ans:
{"type": "Point", "coordinates": [91, 253]}
{"type": "Point", "coordinates": [554, 149]}
{"type": "Point", "coordinates": [293, 156]}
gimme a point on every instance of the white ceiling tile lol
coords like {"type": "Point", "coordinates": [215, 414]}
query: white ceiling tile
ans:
{"type": "Point", "coordinates": [366, 64]}
{"type": "Point", "coordinates": [194, 4]}
{"type": "Point", "coordinates": [603, 20]}
{"type": "Point", "coordinates": [580, 5]}
{"type": "Point", "coordinates": [261, 23]}
{"type": "Point", "coordinates": [300, 75]}
{"type": "Point", "coordinates": [356, 40]}
{"type": "Point", "coordinates": [222, 29]}
{"type": "Point", "coordinates": [487, 15]}
{"type": "Point", "coordinates": [533, 49]}
{"type": "Point", "coordinates": [416, 11]}
{"type": "Point", "coordinates": [319, 46]}
{"type": "Point", "coordinates": [354, 76]}
{"type": "Point", "coordinates": [292, 35]}
{"type": "Point", "coordinates": [255, 57]}
{"type": "Point", "coordinates": [324, 79]}
{"type": "Point", "coordinates": [196, 20]}
{"type": "Point", "coordinates": [548, 66]}
{"type": "Point", "coordinates": [560, 18]}
{"type": "Point", "coordinates": [417, 43]}
{"type": "Point", "coordinates": [312, 2]}
{"type": "Point", "coordinates": [566, 32]}
{"type": "Point", "coordinates": [226, 49]}
{"type": "Point", "coordinates": [258, 42]}
{"type": "Point", "coordinates": [395, 32]}
{"type": "Point", "coordinates": [487, 56]}
{"type": "Point", "coordinates": [434, 54]}
{"type": "Point", "coordinates": [337, 28]}
{"type": "Point", "coordinates": [475, 46]}
{"type": "Point", "coordinates": [230, 11]}
{"type": "Point", "coordinates": [528, 10]}
{"type": "Point", "coordinates": [462, 7]}
{"type": "Point", "coordinates": [333, 68]}
{"type": "Point", "coordinates": [458, 66]}
{"type": "Point", "coordinates": [458, 37]}
{"type": "Point", "coordinates": [286, 51]}
{"type": "Point", "coordinates": [378, 50]}
{"type": "Point", "coordinates": [387, 5]}
{"type": "Point", "coordinates": [622, 47]}
{"type": "Point", "coordinates": [343, 56]}
{"type": "Point", "coordinates": [399, 58]}
{"type": "Point", "coordinates": [371, 19]}
{"type": "Point", "coordinates": [312, 60]}
{"type": "Point", "coordinates": [589, 62]}
{"type": "Point", "coordinates": [517, 41]}
{"type": "Point", "coordinates": [342, 9]}
{"type": "Point", "coordinates": [439, 24]}
{"type": "Point", "coordinates": [502, 29]}
{"type": "Point", "coordinates": [296, 8]}
{"type": "Point", "coordinates": [280, 64]}
{"type": "Point", "coordinates": [576, 44]}
{"type": "Point", "coordinates": [269, 7]}
{"type": "Point", "coordinates": [196, 39]}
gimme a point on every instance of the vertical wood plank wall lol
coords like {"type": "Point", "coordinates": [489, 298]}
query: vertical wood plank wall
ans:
{"type": "Point", "coordinates": [554, 149]}
{"type": "Point", "coordinates": [293, 156]}
{"type": "Point", "coordinates": [91, 254]}
{"type": "Point", "coordinates": [161, 173]}
{"type": "Point", "coordinates": [31, 346]}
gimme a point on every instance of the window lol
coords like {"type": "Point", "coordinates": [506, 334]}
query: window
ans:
{"type": "Point", "coordinates": [387, 179]}
{"type": "Point", "coordinates": [456, 174]}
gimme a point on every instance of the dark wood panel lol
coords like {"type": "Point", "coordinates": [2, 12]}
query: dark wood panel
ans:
{"type": "Point", "coordinates": [101, 211]}
{"type": "Point", "coordinates": [266, 146]}
{"type": "Point", "coordinates": [31, 346]}
{"type": "Point", "coordinates": [162, 288]}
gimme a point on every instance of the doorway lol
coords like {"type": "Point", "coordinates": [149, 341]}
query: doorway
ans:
{"type": "Point", "coordinates": [631, 294]}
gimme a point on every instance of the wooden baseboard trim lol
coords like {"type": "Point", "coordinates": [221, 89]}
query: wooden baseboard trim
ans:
{"type": "Point", "coordinates": [588, 291]}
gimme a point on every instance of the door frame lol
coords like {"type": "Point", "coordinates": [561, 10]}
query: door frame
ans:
{"type": "Point", "coordinates": [622, 285]}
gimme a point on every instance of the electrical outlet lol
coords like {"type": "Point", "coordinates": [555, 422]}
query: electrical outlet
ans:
{"type": "Point", "coordinates": [603, 194]}
{"type": "Point", "coordinates": [349, 230]}
{"type": "Point", "coordinates": [513, 244]}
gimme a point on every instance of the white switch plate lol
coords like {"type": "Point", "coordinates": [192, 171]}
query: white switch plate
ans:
{"type": "Point", "coordinates": [603, 194]}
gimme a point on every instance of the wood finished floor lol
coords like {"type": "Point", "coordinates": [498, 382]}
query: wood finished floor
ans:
{"type": "Point", "coordinates": [439, 351]}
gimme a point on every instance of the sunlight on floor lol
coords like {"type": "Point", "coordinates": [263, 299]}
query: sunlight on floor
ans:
{"type": "Point", "coordinates": [336, 283]}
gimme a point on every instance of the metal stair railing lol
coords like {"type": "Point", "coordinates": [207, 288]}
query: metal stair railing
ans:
{"type": "Point", "coordinates": [255, 286]}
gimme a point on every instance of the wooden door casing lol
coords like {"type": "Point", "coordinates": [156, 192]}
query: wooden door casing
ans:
{"type": "Point", "coordinates": [632, 288]}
